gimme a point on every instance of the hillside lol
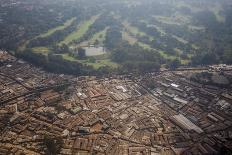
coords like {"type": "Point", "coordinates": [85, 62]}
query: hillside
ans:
{"type": "Point", "coordinates": [117, 36]}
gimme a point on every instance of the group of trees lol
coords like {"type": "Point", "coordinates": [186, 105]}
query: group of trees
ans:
{"type": "Point", "coordinates": [81, 53]}
{"type": "Point", "coordinates": [53, 63]}
{"type": "Point", "coordinates": [113, 37]}
{"type": "Point", "coordinates": [212, 45]}
{"type": "Point", "coordinates": [214, 79]}
{"type": "Point", "coordinates": [24, 21]}
{"type": "Point", "coordinates": [136, 58]}
{"type": "Point", "coordinates": [215, 44]}
{"type": "Point", "coordinates": [56, 64]}
{"type": "Point", "coordinates": [54, 38]}
{"type": "Point", "coordinates": [105, 20]}
{"type": "Point", "coordinates": [60, 49]}
{"type": "Point", "coordinates": [52, 145]}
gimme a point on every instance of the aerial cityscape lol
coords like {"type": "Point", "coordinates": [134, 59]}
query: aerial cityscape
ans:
{"type": "Point", "coordinates": [126, 77]}
{"type": "Point", "coordinates": [112, 115]}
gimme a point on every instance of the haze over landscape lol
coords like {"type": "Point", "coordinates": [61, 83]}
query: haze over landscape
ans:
{"type": "Point", "coordinates": [116, 77]}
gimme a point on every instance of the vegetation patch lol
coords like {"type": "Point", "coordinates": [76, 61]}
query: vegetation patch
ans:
{"type": "Point", "coordinates": [42, 50]}
{"type": "Point", "coordinates": [80, 30]}
{"type": "Point", "coordinates": [51, 31]}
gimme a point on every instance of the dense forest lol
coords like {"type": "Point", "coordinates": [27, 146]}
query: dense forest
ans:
{"type": "Point", "coordinates": [130, 35]}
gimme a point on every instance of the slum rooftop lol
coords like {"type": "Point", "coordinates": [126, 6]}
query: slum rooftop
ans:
{"type": "Point", "coordinates": [157, 113]}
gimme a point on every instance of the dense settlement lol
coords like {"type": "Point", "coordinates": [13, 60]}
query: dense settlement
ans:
{"type": "Point", "coordinates": [112, 115]}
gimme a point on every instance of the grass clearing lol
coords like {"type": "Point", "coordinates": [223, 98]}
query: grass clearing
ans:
{"type": "Point", "coordinates": [80, 31]}
{"type": "Point", "coordinates": [102, 63]}
{"type": "Point", "coordinates": [184, 62]}
{"type": "Point", "coordinates": [96, 65]}
{"type": "Point", "coordinates": [161, 30]}
{"type": "Point", "coordinates": [180, 39]}
{"type": "Point", "coordinates": [129, 38]}
{"type": "Point", "coordinates": [41, 50]}
{"type": "Point", "coordinates": [196, 28]}
{"type": "Point", "coordinates": [195, 47]}
{"type": "Point", "coordinates": [67, 57]}
{"type": "Point", "coordinates": [100, 36]}
{"type": "Point", "coordinates": [178, 50]}
{"type": "Point", "coordinates": [217, 9]}
{"type": "Point", "coordinates": [23, 46]}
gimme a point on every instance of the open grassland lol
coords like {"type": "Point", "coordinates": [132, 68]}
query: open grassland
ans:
{"type": "Point", "coordinates": [100, 36]}
{"type": "Point", "coordinates": [129, 38]}
{"type": "Point", "coordinates": [176, 19]}
{"type": "Point", "coordinates": [23, 46]}
{"type": "Point", "coordinates": [217, 9]}
{"type": "Point", "coordinates": [80, 30]}
{"type": "Point", "coordinates": [100, 61]}
{"type": "Point", "coordinates": [180, 39]}
{"type": "Point", "coordinates": [41, 50]}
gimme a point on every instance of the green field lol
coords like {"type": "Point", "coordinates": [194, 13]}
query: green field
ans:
{"type": "Point", "coordinates": [99, 62]}
{"type": "Point", "coordinates": [216, 10]}
{"type": "Point", "coordinates": [102, 63]}
{"type": "Point", "coordinates": [100, 36]}
{"type": "Point", "coordinates": [180, 39]}
{"type": "Point", "coordinates": [41, 50]}
{"type": "Point", "coordinates": [80, 31]}
{"type": "Point", "coordinates": [129, 38]}
{"type": "Point", "coordinates": [175, 19]}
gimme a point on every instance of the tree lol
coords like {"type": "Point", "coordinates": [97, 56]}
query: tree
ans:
{"type": "Point", "coordinates": [92, 60]}
{"type": "Point", "coordinates": [96, 42]}
{"type": "Point", "coordinates": [53, 145]}
{"type": "Point", "coordinates": [81, 53]}
{"type": "Point", "coordinates": [173, 64]}
{"type": "Point", "coordinates": [64, 48]}
{"type": "Point", "coordinates": [227, 56]}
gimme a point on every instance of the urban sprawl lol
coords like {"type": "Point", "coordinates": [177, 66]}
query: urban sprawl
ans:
{"type": "Point", "coordinates": [114, 115]}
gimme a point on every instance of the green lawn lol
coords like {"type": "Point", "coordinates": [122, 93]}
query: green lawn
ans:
{"type": "Point", "coordinates": [42, 50]}
{"type": "Point", "coordinates": [99, 62]}
{"type": "Point", "coordinates": [100, 36]}
{"type": "Point", "coordinates": [216, 10]}
{"type": "Point", "coordinates": [80, 31]}
{"type": "Point", "coordinates": [66, 56]}
{"type": "Point", "coordinates": [129, 38]}
{"type": "Point", "coordinates": [180, 39]}
{"type": "Point", "coordinates": [23, 46]}
{"type": "Point", "coordinates": [102, 63]}
{"type": "Point", "coordinates": [161, 30]}
{"type": "Point", "coordinates": [184, 62]}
